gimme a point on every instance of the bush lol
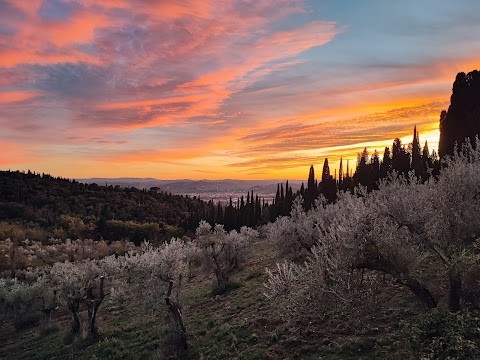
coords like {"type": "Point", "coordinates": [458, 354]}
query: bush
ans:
{"type": "Point", "coordinates": [441, 334]}
{"type": "Point", "coordinates": [223, 251]}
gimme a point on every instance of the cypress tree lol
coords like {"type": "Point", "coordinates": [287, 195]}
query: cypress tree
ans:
{"type": "Point", "coordinates": [288, 198]}
{"type": "Point", "coordinates": [374, 170]}
{"type": "Point", "coordinates": [328, 186]}
{"type": "Point", "coordinates": [312, 189]}
{"type": "Point", "coordinates": [386, 165]}
{"type": "Point", "coordinates": [219, 218]}
{"type": "Point", "coordinates": [416, 156]}
{"type": "Point", "coordinates": [461, 120]}
{"type": "Point", "coordinates": [326, 171]}
{"type": "Point", "coordinates": [362, 173]}
{"type": "Point", "coordinates": [340, 174]}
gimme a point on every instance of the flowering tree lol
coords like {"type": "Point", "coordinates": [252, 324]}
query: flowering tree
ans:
{"type": "Point", "coordinates": [389, 231]}
{"type": "Point", "coordinates": [223, 251]}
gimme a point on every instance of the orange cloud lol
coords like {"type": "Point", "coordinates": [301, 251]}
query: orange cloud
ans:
{"type": "Point", "coordinates": [78, 29]}
{"type": "Point", "coordinates": [7, 97]}
{"type": "Point", "coordinates": [49, 41]}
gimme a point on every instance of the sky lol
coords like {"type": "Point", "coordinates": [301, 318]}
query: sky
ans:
{"type": "Point", "coordinates": [239, 89]}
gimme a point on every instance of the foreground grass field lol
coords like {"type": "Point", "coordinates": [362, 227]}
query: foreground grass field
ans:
{"type": "Point", "coordinates": [239, 324]}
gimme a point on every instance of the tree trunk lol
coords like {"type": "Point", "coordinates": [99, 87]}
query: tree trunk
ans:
{"type": "Point", "coordinates": [73, 306]}
{"type": "Point", "coordinates": [417, 288]}
{"type": "Point", "coordinates": [92, 307]}
{"type": "Point", "coordinates": [92, 314]}
{"type": "Point", "coordinates": [47, 317]}
{"type": "Point", "coordinates": [47, 309]}
{"type": "Point", "coordinates": [222, 279]}
{"type": "Point", "coordinates": [12, 259]}
{"type": "Point", "coordinates": [177, 317]}
{"type": "Point", "coordinates": [455, 290]}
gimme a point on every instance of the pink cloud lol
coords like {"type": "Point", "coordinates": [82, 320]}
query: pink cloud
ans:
{"type": "Point", "coordinates": [8, 97]}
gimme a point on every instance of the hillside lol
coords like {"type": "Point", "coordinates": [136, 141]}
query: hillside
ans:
{"type": "Point", "coordinates": [240, 324]}
{"type": "Point", "coordinates": [48, 206]}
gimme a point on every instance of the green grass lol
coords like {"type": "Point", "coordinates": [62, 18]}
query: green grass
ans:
{"type": "Point", "coordinates": [235, 324]}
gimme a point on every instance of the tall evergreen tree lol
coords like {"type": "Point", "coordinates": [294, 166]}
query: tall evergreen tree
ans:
{"type": "Point", "coordinates": [416, 154]}
{"type": "Point", "coordinates": [340, 173]}
{"type": "Point", "coordinates": [312, 189]}
{"type": "Point", "coordinates": [374, 171]}
{"type": "Point", "coordinates": [400, 157]}
{"type": "Point", "coordinates": [362, 173]}
{"type": "Point", "coordinates": [328, 186]}
{"type": "Point", "coordinates": [462, 119]}
{"type": "Point", "coordinates": [386, 165]}
{"type": "Point", "coordinates": [258, 210]}
{"type": "Point", "coordinates": [229, 216]}
{"type": "Point", "coordinates": [326, 171]}
{"type": "Point", "coordinates": [219, 218]}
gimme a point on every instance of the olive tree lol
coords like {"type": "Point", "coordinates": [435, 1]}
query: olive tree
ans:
{"type": "Point", "coordinates": [83, 283]}
{"type": "Point", "coordinates": [223, 251]}
{"type": "Point", "coordinates": [160, 273]}
{"type": "Point", "coordinates": [388, 231]}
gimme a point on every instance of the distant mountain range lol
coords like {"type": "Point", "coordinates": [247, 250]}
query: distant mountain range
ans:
{"type": "Point", "coordinates": [205, 189]}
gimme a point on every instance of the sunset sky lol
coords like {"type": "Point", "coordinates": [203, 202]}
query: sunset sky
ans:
{"type": "Point", "coordinates": [242, 89]}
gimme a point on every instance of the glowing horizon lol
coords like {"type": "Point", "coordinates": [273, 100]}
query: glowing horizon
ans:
{"type": "Point", "coordinates": [238, 89]}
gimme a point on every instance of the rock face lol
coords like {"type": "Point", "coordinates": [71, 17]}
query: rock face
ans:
{"type": "Point", "coordinates": [462, 120]}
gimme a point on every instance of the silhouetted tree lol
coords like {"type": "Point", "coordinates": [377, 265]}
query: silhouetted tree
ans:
{"type": "Point", "coordinates": [463, 117]}
{"type": "Point", "coordinates": [362, 173]}
{"type": "Point", "coordinates": [400, 157]}
{"type": "Point", "coordinates": [416, 165]}
{"type": "Point", "coordinates": [374, 171]}
{"type": "Point", "coordinates": [312, 189]}
{"type": "Point", "coordinates": [328, 186]}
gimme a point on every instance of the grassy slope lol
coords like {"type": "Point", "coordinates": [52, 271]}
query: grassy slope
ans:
{"type": "Point", "coordinates": [236, 325]}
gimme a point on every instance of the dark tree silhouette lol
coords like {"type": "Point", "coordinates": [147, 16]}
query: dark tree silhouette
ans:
{"type": "Point", "coordinates": [400, 157]}
{"type": "Point", "coordinates": [311, 192]}
{"type": "Point", "coordinates": [463, 117]}
{"type": "Point", "coordinates": [416, 155]}
{"type": "Point", "coordinates": [328, 186]}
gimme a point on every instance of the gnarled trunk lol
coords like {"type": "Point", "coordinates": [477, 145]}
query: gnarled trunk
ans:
{"type": "Point", "coordinates": [92, 307]}
{"type": "Point", "coordinates": [222, 278]}
{"type": "Point", "coordinates": [455, 289]}
{"type": "Point", "coordinates": [73, 306]}
{"type": "Point", "coordinates": [418, 289]}
{"type": "Point", "coordinates": [48, 308]}
{"type": "Point", "coordinates": [176, 312]}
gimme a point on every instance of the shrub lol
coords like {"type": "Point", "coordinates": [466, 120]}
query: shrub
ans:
{"type": "Point", "coordinates": [441, 334]}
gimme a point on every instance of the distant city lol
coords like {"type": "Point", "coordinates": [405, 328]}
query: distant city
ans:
{"type": "Point", "coordinates": [216, 190]}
